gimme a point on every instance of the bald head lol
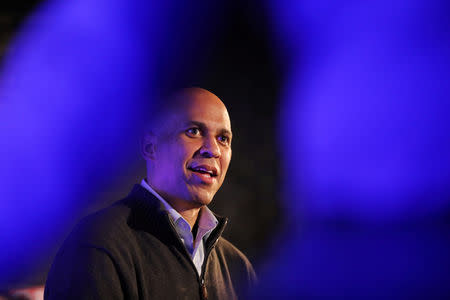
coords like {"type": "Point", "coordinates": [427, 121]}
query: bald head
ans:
{"type": "Point", "coordinates": [188, 148]}
{"type": "Point", "coordinates": [181, 101]}
{"type": "Point", "coordinates": [195, 94]}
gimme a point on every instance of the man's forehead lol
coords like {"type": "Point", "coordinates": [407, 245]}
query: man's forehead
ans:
{"type": "Point", "coordinates": [199, 114]}
{"type": "Point", "coordinates": [194, 105]}
{"type": "Point", "coordinates": [196, 98]}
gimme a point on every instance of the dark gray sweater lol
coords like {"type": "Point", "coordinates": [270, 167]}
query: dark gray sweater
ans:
{"type": "Point", "coordinates": [131, 250]}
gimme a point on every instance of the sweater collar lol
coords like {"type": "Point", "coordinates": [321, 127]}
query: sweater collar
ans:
{"type": "Point", "coordinates": [148, 213]}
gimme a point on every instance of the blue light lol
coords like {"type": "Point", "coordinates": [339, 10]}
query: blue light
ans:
{"type": "Point", "coordinates": [76, 88]}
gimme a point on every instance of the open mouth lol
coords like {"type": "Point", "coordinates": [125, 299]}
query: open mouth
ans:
{"type": "Point", "coordinates": [204, 171]}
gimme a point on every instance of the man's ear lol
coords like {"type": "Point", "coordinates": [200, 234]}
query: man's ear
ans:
{"type": "Point", "coordinates": [148, 145]}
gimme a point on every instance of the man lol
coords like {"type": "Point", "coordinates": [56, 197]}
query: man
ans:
{"type": "Point", "coordinates": [162, 242]}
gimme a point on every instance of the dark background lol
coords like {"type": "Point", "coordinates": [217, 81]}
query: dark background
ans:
{"type": "Point", "coordinates": [239, 67]}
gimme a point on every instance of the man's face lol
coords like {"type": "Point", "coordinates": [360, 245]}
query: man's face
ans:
{"type": "Point", "coordinates": [192, 151]}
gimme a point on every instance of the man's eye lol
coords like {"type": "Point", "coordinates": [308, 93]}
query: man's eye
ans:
{"type": "Point", "coordinates": [224, 139]}
{"type": "Point", "coordinates": [194, 131]}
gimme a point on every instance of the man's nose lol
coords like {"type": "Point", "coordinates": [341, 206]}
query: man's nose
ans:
{"type": "Point", "coordinates": [210, 148]}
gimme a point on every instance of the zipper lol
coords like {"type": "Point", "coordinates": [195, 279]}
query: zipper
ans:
{"type": "Point", "coordinates": [200, 277]}
{"type": "Point", "coordinates": [203, 289]}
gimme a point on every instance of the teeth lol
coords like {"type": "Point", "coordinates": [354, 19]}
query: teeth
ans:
{"type": "Point", "coordinates": [203, 170]}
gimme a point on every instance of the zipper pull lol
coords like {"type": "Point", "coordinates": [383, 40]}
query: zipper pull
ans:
{"type": "Point", "coordinates": [204, 291]}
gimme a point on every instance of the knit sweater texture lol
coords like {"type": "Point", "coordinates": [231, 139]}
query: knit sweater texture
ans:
{"type": "Point", "coordinates": [131, 250]}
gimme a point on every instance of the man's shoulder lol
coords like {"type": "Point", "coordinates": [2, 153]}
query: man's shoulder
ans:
{"type": "Point", "coordinates": [99, 244]}
{"type": "Point", "coordinates": [118, 223]}
{"type": "Point", "coordinates": [233, 255]}
{"type": "Point", "coordinates": [228, 249]}
{"type": "Point", "coordinates": [106, 226]}
{"type": "Point", "coordinates": [241, 270]}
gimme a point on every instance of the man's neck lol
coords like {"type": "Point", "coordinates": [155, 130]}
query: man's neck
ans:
{"type": "Point", "coordinates": [188, 213]}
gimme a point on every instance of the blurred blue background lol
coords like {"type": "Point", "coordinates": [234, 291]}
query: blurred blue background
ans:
{"type": "Point", "coordinates": [339, 183]}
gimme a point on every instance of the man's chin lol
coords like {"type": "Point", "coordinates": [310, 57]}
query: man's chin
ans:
{"type": "Point", "coordinates": [202, 201]}
{"type": "Point", "coordinates": [201, 193]}
{"type": "Point", "coordinates": [201, 198]}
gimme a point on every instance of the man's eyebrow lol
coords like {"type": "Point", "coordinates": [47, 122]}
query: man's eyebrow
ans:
{"type": "Point", "coordinates": [197, 123]}
{"type": "Point", "coordinates": [226, 132]}
{"type": "Point", "coordinates": [203, 126]}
